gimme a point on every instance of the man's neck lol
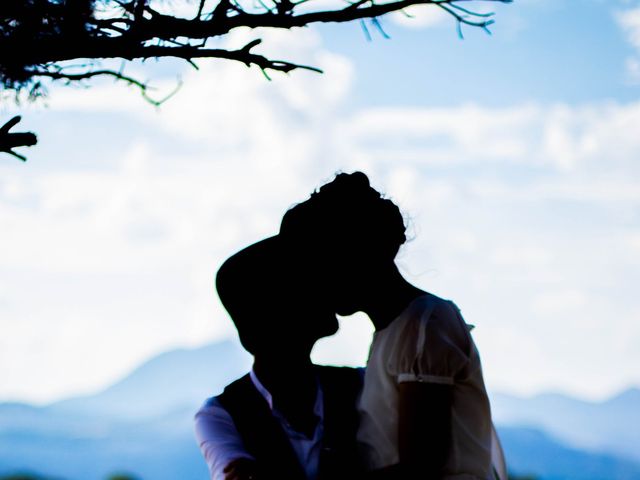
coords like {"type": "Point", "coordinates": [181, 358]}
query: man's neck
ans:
{"type": "Point", "coordinates": [276, 372]}
{"type": "Point", "coordinates": [293, 387]}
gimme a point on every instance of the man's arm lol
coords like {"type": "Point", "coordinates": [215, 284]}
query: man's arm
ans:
{"type": "Point", "coordinates": [242, 469]}
{"type": "Point", "coordinates": [221, 445]}
{"type": "Point", "coordinates": [424, 436]}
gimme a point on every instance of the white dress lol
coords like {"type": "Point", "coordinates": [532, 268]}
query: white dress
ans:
{"type": "Point", "coordinates": [420, 346]}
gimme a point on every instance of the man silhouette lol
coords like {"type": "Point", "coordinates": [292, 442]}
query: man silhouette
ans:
{"type": "Point", "coordinates": [288, 418]}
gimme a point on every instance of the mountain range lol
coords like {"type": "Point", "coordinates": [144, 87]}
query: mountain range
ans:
{"type": "Point", "coordinates": [610, 426]}
{"type": "Point", "coordinates": [143, 424]}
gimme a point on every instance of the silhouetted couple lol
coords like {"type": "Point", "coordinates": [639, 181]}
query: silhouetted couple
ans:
{"type": "Point", "coordinates": [419, 410]}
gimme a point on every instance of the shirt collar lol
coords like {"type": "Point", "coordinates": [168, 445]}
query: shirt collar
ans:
{"type": "Point", "coordinates": [318, 408]}
{"type": "Point", "coordinates": [261, 388]}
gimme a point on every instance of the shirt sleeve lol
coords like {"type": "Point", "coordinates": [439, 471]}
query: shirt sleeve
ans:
{"type": "Point", "coordinates": [442, 349]}
{"type": "Point", "coordinates": [218, 438]}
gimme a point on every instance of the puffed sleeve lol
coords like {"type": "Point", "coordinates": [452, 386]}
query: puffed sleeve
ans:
{"type": "Point", "coordinates": [218, 438]}
{"type": "Point", "coordinates": [442, 348]}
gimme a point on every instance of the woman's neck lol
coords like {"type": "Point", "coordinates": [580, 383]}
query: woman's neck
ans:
{"type": "Point", "coordinates": [389, 298]}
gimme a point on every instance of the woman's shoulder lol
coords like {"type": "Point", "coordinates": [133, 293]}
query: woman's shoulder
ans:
{"type": "Point", "coordinates": [426, 313]}
{"type": "Point", "coordinates": [430, 305]}
{"type": "Point", "coordinates": [443, 315]}
{"type": "Point", "coordinates": [435, 342]}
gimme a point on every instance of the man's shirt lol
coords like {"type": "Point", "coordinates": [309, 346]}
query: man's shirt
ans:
{"type": "Point", "coordinates": [220, 441]}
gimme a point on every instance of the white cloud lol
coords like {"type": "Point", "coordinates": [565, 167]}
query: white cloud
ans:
{"type": "Point", "coordinates": [131, 245]}
{"type": "Point", "coordinates": [629, 21]}
{"type": "Point", "coordinates": [560, 301]}
{"type": "Point", "coordinates": [517, 213]}
{"type": "Point", "coordinates": [567, 138]}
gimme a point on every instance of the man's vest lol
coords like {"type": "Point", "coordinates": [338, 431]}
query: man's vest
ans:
{"type": "Point", "coordinates": [267, 442]}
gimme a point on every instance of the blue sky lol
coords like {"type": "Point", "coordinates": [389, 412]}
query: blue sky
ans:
{"type": "Point", "coordinates": [540, 50]}
{"type": "Point", "coordinates": [514, 156]}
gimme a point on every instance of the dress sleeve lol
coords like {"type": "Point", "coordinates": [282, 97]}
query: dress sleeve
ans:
{"type": "Point", "coordinates": [442, 351]}
{"type": "Point", "coordinates": [218, 438]}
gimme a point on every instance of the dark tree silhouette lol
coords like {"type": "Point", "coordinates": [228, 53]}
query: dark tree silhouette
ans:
{"type": "Point", "coordinates": [65, 40]}
{"type": "Point", "coordinates": [10, 140]}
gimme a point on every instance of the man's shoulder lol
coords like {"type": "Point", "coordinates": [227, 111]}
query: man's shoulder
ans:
{"type": "Point", "coordinates": [213, 404]}
{"type": "Point", "coordinates": [210, 408]}
{"type": "Point", "coordinates": [237, 386]}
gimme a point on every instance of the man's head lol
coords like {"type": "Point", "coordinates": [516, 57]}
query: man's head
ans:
{"type": "Point", "coordinates": [271, 303]}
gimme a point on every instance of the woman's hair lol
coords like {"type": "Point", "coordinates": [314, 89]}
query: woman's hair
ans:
{"type": "Point", "coordinates": [345, 218]}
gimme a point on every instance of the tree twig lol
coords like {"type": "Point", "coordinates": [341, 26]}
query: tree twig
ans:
{"type": "Point", "coordinates": [10, 140]}
{"type": "Point", "coordinates": [140, 32]}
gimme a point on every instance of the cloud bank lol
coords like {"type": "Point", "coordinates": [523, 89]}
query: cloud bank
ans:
{"type": "Point", "coordinates": [526, 216]}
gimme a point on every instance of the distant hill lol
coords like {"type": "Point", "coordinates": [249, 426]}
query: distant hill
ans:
{"type": "Point", "coordinates": [176, 379]}
{"type": "Point", "coordinates": [158, 449]}
{"type": "Point", "coordinates": [140, 424]}
{"type": "Point", "coordinates": [143, 424]}
{"type": "Point", "coordinates": [531, 451]}
{"type": "Point", "coordinates": [610, 426]}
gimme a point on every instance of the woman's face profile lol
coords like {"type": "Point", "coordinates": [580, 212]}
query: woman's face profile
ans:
{"type": "Point", "coordinates": [343, 280]}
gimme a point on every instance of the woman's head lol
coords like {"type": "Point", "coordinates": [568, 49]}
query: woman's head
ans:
{"type": "Point", "coordinates": [348, 233]}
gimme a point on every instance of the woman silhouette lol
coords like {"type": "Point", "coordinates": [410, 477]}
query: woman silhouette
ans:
{"type": "Point", "coordinates": [424, 410]}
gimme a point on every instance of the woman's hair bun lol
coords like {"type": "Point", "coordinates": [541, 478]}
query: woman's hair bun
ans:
{"type": "Point", "coordinates": [346, 215]}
